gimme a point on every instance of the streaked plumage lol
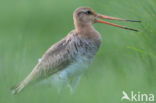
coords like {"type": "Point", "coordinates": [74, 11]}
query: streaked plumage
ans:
{"type": "Point", "coordinates": [73, 50]}
{"type": "Point", "coordinates": [70, 57]}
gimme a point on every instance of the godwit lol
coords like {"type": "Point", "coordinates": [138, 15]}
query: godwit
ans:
{"type": "Point", "coordinates": [69, 57]}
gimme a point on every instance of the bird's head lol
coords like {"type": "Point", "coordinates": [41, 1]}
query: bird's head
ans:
{"type": "Point", "coordinates": [86, 16]}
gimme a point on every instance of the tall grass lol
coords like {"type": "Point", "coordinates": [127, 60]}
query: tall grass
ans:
{"type": "Point", "coordinates": [125, 61]}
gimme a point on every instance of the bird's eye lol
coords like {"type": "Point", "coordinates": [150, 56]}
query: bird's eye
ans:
{"type": "Point", "coordinates": [88, 12]}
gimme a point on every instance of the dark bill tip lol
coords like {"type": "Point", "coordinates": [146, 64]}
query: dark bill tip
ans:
{"type": "Point", "coordinates": [134, 21]}
{"type": "Point", "coordinates": [131, 29]}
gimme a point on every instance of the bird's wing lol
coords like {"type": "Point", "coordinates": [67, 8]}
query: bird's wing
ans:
{"type": "Point", "coordinates": [56, 58]}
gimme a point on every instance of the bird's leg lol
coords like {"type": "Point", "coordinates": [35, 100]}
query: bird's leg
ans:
{"type": "Point", "coordinates": [73, 83]}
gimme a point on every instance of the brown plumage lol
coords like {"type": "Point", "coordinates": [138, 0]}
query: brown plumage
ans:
{"type": "Point", "coordinates": [69, 57]}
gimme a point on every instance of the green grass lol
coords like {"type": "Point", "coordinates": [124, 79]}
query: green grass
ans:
{"type": "Point", "coordinates": [125, 61]}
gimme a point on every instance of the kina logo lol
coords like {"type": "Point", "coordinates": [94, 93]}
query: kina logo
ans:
{"type": "Point", "coordinates": [137, 96]}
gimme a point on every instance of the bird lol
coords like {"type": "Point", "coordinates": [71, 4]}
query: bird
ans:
{"type": "Point", "coordinates": [69, 58]}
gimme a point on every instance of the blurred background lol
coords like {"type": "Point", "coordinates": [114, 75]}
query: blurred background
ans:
{"type": "Point", "coordinates": [126, 60]}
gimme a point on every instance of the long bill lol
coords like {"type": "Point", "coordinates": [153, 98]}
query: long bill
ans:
{"type": "Point", "coordinates": [114, 18]}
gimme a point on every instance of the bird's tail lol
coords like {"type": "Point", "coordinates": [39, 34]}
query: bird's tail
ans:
{"type": "Point", "coordinates": [19, 87]}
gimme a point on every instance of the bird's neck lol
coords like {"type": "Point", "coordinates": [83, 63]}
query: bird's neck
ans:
{"type": "Point", "coordinates": [81, 27]}
{"type": "Point", "coordinates": [84, 29]}
{"type": "Point", "coordinates": [88, 31]}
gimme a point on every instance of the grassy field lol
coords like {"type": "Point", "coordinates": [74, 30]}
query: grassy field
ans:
{"type": "Point", "coordinates": [126, 60]}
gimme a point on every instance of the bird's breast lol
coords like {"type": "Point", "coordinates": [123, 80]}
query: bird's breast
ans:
{"type": "Point", "coordinates": [82, 50]}
{"type": "Point", "coordinates": [86, 47]}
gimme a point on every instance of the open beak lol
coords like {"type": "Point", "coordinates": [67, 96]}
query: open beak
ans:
{"type": "Point", "coordinates": [114, 18]}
